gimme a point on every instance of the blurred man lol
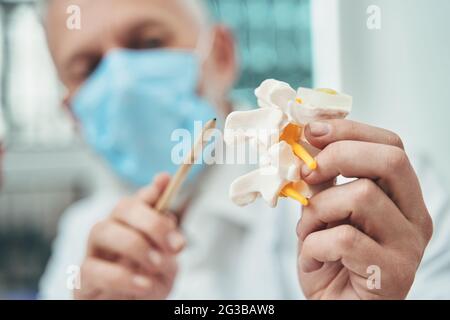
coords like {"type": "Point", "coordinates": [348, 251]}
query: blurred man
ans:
{"type": "Point", "coordinates": [138, 70]}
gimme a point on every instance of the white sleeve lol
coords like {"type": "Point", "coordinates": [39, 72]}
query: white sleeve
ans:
{"type": "Point", "coordinates": [69, 247]}
{"type": "Point", "coordinates": [433, 277]}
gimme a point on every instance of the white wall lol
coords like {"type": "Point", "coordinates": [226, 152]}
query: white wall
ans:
{"type": "Point", "coordinates": [399, 75]}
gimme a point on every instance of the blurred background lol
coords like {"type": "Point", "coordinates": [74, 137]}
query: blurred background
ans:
{"type": "Point", "coordinates": [398, 76]}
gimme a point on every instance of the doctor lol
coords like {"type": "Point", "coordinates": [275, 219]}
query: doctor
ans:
{"type": "Point", "coordinates": [139, 69]}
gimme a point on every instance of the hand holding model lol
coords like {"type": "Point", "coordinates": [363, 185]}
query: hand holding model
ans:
{"type": "Point", "coordinates": [377, 221]}
{"type": "Point", "coordinates": [132, 254]}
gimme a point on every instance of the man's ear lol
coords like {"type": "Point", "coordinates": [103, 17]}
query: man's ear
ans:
{"type": "Point", "coordinates": [224, 55]}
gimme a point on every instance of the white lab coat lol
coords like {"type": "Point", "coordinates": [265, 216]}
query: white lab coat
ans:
{"type": "Point", "coordinates": [242, 253]}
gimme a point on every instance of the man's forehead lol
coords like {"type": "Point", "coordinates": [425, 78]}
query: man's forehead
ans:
{"type": "Point", "coordinates": [192, 9]}
{"type": "Point", "coordinates": [99, 15]}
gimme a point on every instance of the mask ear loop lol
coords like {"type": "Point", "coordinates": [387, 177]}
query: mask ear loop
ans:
{"type": "Point", "coordinates": [205, 44]}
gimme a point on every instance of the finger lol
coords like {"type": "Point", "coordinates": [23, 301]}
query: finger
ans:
{"type": "Point", "coordinates": [152, 193]}
{"type": "Point", "coordinates": [320, 134]}
{"type": "Point", "coordinates": [390, 165]}
{"type": "Point", "coordinates": [344, 243]}
{"type": "Point", "coordinates": [362, 204]}
{"type": "Point", "coordinates": [160, 229]}
{"type": "Point", "coordinates": [110, 239]}
{"type": "Point", "coordinates": [116, 280]}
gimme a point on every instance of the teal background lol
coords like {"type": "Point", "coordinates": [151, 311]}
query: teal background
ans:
{"type": "Point", "coordinates": [274, 41]}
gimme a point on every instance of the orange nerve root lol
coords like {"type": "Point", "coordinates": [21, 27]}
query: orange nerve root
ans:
{"type": "Point", "coordinates": [290, 192]}
{"type": "Point", "coordinates": [291, 135]}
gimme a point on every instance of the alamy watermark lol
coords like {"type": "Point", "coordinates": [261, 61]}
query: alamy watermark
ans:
{"type": "Point", "coordinates": [73, 21]}
{"type": "Point", "coordinates": [373, 17]}
{"type": "Point", "coordinates": [244, 146]}
{"type": "Point", "coordinates": [374, 280]}
{"type": "Point", "coordinates": [73, 280]}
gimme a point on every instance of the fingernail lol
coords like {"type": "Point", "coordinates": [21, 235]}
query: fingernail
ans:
{"type": "Point", "coordinates": [176, 240]}
{"type": "Point", "coordinates": [319, 129]}
{"type": "Point", "coordinates": [142, 282]}
{"type": "Point", "coordinates": [306, 171]}
{"type": "Point", "coordinates": [155, 258]}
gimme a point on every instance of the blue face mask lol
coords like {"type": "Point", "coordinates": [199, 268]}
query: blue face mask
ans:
{"type": "Point", "coordinates": [133, 102]}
